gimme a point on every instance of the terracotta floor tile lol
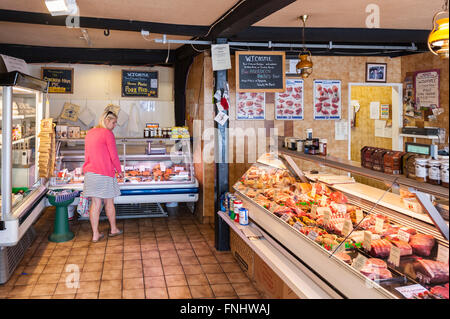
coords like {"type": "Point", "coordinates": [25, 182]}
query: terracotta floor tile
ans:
{"type": "Point", "coordinates": [43, 289]}
{"type": "Point", "coordinates": [79, 251]}
{"type": "Point", "coordinates": [73, 259]}
{"type": "Point", "coordinates": [222, 290]}
{"type": "Point", "coordinates": [93, 250]}
{"type": "Point", "coordinates": [81, 244]}
{"type": "Point", "coordinates": [153, 271]}
{"type": "Point", "coordinates": [152, 262]}
{"type": "Point", "coordinates": [38, 260]}
{"type": "Point", "coordinates": [179, 292]}
{"type": "Point", "coordinates": [113, 264]}
{"type": "Point", "coordinates": [168, 253]}
{"type": "Point", "coordinates": [56, 260]}
{"type": "Point", "coordinates": [133, 283]}
{"type": "Point", "coordinates": [155, 282]}
{"type": "Point", "coordinates": [179, 245]}
{"type": "Point", "coordinates": [132, 256]}
{"type": "Point", "coordinates": [21, 291]}
{"type": "Point", "coordinates": [96, 266]}
{"type": "Point", "coordinates": [173, 270]}
{"type": "Point", "coordinates": [113, 274]}
{"type": "Point", "coordinates": [148, 254]}
{"type": "Point", "coordinates": [197, 280]}
{"type": "Point", "coordinates": [170, 261]}
{"type": "Point", "coordinates": [149, 247]}
{"type": "Point", "coordinates": [251, 297]}
{"type": "Point", "coordinates": [203, 252]}
{"type": "Point", "coordinates": [49, 278]}
{"type": "Point", "coordinates": [113, 256]}
{"type": "Point", "coordinates": [166, 246]}
{"type": "Point", "coordinates": [219, 278]}
{"type": "Point", "coordinates": [110, 285]}
{"type": "Point", "coordinates": [186, 253]}
{"type": "Point", "coordinates": [44, 252]}
{"type": "Point", "coordinates": [175, 280]}
{"type": "Point", "coordinates": [26, 280]}
{"type": "Point", "coordinates": [201, 291]}
{"type": "Point", "coordinates": [53, 269]}
{"type": "Point", "coordinates": [91, 276]}
{"type": "Point", "coordinates": [95, 258]}
{"type": "Point", "coordinates": [189, 260]}
{"type": "Point", "coordinates": [225, 258]}
{"type": "Point", "coordinates": [192, 269]}
{"type": "Point", "coordinates": [66, 296]}
{"type": "Point", "coordinates": [114, 250]}
{"type": "Point", "coordinates": [34, 270]}
{"type": "Point", "coordinates": [89, 286]}
{"type": "Point", "coordinates": [156, 293]}
{"type": "Point", "coordinates": [212, 268]}
{"type": "Point", "coordinates": [231, 267]}
{"type": "Point", "coordinates": [133, 273]}
{"type": "Point", "coordinates": [132, 248]}
{"type": "Point", "coordinates": [61, 252]}
{"type": "Point", "coordinates": [86, 295]}
{"type": "Point", "coordinates": [110, 295]}
{"type": "Point", "coordinates": [132, 264]}
{"type": "Point", "coordinates": [207, 260]}
{"type": "Point", "coordinates": [133, 294]}
{"type": "Point", "coordinates": [237, 277]}
{"type": "Point", "coordinates": [62, 289]}
{"type": "Point", "coordinates": [244, 289]}
{"type": "Point", "coordinates": [114, 242]}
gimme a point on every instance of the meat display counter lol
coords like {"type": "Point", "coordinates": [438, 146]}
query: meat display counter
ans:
{"type": "Point", "coordinates": [22, 191]}
{"type": "Point", "coordinates": [156, 171]}
{"type": "Point", "coordinates": [362, 247]}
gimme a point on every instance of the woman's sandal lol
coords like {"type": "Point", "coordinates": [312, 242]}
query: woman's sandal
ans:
{"type": "Point", "coordinates": [99, 238]}
{"type": "Point", "coordinates": [120, 232]}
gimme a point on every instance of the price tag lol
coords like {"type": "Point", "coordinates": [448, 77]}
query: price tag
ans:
{"type": "Point", "coordinates": [285, 217]}
{"type": "Point", "coordinates": [162, 166]}
{"type": "Point", "coordinates": [367, 242]}
{"type": "Point", "coordinates": [313, 192]}
{"type": "Point", "coordinates": [314, 211]}
{"type": "Point", "coordinates": [312, 235]}
{"type": "Point", "coordinates": [379, 223]}
{"type": "Point", "coordinates": [410, 291]}
{"type": "Point", "coordinates": [359, 215]}
{"type": "Point", "coordinates": [323, 201]}
{"type": "Point", "coordinates": [274, 207]}
{"type": "Point", "coordinates": [403, 236]}
{"type": "Point", "coordinates": [394, 256]}
{"type": "Point", "coordinates": [359, 262]}
{"type": "Point", "coordinates": [298, 226]}
{"type": "Point", "coordinates": [348, 227]}
{"type": "Point", "coordinates": [442, 254]}
{"type": "Point", "coordinates": [326, 217]}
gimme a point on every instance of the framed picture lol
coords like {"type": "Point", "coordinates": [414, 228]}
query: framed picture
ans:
{"type": "Point", "coordinates": [376, 72]}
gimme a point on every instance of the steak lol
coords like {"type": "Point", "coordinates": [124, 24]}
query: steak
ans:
{"type": "Point", "coordinates": [422, 244]}
{"type": "Point", "coordinates": [431, 271]}
{"type": "Point", "coordinates": [441, 291]}
{"type": "Point", "coordinates": [380, 248]}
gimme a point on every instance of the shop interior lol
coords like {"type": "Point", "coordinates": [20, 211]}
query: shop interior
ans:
{"type": "Point", "coordinates": [279, 150]}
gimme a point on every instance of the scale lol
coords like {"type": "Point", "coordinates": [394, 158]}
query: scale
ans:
{"type": "Point", "coordinates": [423, 149]}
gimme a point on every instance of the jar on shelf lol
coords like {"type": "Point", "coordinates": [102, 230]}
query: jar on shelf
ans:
{"type": "Point", "coordinates": [300, 145]}
{"type": "Point", "coordinates": [421, 172]}
{"type": "Point", "coordinates": [434, 172]}
{"type": "Point", "coordinates": [323, 146]}
{"type": "Point", "coordinates": [444, 173]}
{"type": "Point", "coordinates": [309, 133]}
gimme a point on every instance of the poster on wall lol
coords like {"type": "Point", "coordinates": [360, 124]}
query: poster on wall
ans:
{"type": "Point", "coordinates": [139, 83]}
{"type": "Point", "coordinates": [426, 85]}
{"type": "Point", "coordinates": [60, 80]}
{"type": "Point", "coordinates": [250, 106]}
{"type": "Point", "coordinates": [289, 104]}
{"type": "Point", "coordinates": [327, 100]}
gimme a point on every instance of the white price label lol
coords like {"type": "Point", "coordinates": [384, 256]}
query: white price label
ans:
{"type": "Point", "coordinates": [323, 201]}
{"type": "Point", "coordinates": [298, 226]}
{"type": "Point", "coordinates": [403, 236]}
{"type": "Point", "coordinates": [285, 217]}
{"type": "Point", "coordinates": [367, 242]}
{"type": "Point", "coordinates": [442, 254]}
{"type": "Point", "coordinates": [379, 223]}
{"type": "Point", "coordinates": [312, 235]}
{"type": "Point", "coordinates": [359, 215]}
{"type": "Point", "coordinates": [348, 227]}
{"type": "Point", "coordinates": [359, 262]}
{"type": "Point", "coordinates": [313, 192]}
{"type": "Point", "coordinates": [162, 167]}
{"type": "Point", "coordinates": [314, 211]}
{"type": "Point", "coordinates": [410, 291]}
{"type": "Point", "coordinates": [326, 217]}
{"type": "Point", "coordinates": [394, 256]}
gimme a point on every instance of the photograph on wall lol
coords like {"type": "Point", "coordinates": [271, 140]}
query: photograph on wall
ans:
{"type": "Point", "coordinates": [250, 106]}
{"type": "Point", "coordinates": [376, 72]}
{"type": "Point", "coordinates": [289, 104]}
{"type": "Point", "coordinates": [327, 100]}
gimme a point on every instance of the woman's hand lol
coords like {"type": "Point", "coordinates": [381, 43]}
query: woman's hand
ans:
{"type": "Point", "coordinates": [120, 175]}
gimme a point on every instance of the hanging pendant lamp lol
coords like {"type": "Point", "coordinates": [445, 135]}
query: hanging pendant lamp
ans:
{"type": "Point", "coordinates": [438, 38]}
{"type": "Point", "coordinates": [305, 65]}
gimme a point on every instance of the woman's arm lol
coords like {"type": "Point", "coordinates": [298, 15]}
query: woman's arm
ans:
{"type": "Point", "coordinates": [112, 149]}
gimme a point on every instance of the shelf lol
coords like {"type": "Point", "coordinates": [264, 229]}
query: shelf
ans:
{"type": "Point", "coordinates": [126, 139]}
{"type": "Point", "coordinates": [21, 117]}
{"type": "Point", "coordinates": [21, 140]}
{"type": "Point", "coordinates": [429, 137]}
{"type": "Point", "coordinates": [356, 168]}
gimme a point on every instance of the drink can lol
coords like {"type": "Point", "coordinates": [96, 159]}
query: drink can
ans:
{"type": "Point", "coordinates": [236, 205]}
{"type": "Point", "coordinates": [236, 217]}
{"type": "Point", "coordinates": [225, 201]}
{"type": "Point", "coordinates": [243, 216]}
{"type": "Point", "coordinates": [231, 199]}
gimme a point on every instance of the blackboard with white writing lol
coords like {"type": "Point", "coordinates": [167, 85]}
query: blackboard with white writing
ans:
{"type": "Point", "coordinates": [60, 80]}
{"type": "Point", "coordinates": [260, 71]}
{"type": "Point", "coordinates": [139, 83]}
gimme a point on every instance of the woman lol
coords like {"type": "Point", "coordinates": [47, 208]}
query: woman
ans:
{"type": "Point", "coordinates": [100, 167]}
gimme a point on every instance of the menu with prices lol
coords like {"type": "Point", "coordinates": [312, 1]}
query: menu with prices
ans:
{"type": "Point", "coordinates": [327, 100]}
{"type": "Point", "coordinates": [250, 106]}
{"type": "Point", "coordinates": [289, 104]}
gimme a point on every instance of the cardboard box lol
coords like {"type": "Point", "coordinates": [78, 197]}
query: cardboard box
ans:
{"type": "Point", "coordinates": [243, 254]}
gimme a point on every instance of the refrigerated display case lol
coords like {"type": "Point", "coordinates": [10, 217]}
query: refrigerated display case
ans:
{"type": "Point", "coordinates": [358, 240]}
{"type": "Point", "coordinates": [156, 171]}
{"type": "Point", "coordinates": [22, 191]}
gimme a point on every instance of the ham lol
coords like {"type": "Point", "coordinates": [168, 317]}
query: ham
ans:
{"type": "Point", "coordinates": [405, 248]}
{"type": "Point", "coordinates": [375, 263]}
{"type": "Point", "coordinates": [376, 273]}
{"type": "Point", "coordinates": [422, 244]}
{"type": "Point", "coordinates": [431, 271]}
{"type": "Point", "coordinates": [380, 248]}
{"type": "Point", "coordinates": [440, 291]}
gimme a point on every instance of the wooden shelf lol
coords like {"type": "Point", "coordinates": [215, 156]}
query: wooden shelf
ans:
{"type": "Point", "coordinates": [356, 168]}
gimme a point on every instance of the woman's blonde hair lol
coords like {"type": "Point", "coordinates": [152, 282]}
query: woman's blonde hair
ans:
{"type": "Point", "coordinates": [107, 115]}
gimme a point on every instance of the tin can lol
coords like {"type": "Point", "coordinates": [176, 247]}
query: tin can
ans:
{"type": "Point", "coordinates": [230, 200]}
{"type": "Point", "coordinates": [243, 216]}
{"type": "Point", "coordinates": [237, 204]}
{"type": "Point", "coordinates": [225, 201]}
{"type": "Point", "coordinates": [300, 145]}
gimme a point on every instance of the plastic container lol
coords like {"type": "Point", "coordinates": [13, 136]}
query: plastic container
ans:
{"type": "Point", "coordinates": [434, 172]}
{"type": "Point", "coordinates": [243, 216]}
{"type": "Point", "coordinates": [444, 173]}
{"type": "Point", "coordinates": [421, 172]}
{"type": "Point", "coordinates": [300, 145]}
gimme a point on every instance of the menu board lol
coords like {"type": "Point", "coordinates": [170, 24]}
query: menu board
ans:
{"type": "Point", "coordinates": [139, 83]}
{"type": "Point", "coordinates": [60, 80]}
{"type": "Point", "coordinates": [426, 85]}
{"type": "Point", "coordinates": [289, 104]}
{"type": "Point", "coordinates": [327, 100]}
{"type": "Point", "coordinates": [250, 106]}
{"type": "Point", "coordinates": [259, 71]}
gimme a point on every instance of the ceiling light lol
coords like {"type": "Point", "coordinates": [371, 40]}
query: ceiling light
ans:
{"type": "Point", "coordinates": [438, 38]}
{"type": "Point", "coordinates": [62, 7]}
{"type": "Point", "coordinates": [304, 66]}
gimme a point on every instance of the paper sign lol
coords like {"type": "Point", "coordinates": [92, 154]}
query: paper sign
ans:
{"type": "Point", "coordinates": [384, 111]}
{"type": "Point", "coordinates": [403, 236]}
{"type": "Point", "coordinates": [314, 211]}
{"type": "Point", "coordinates": [326, 217]}
{"type": "Point", "coordinates": [379, 223]}
{"type": "Point", "coordinates": [220, 55]}
{"type": "Point", "coordinates": [375, 110]}
{"type": "Point", "coordinates": [298, 226]}
{"type": "Point", "coordinates": [411, 291]}
{"type": "Point", "coordinates": [380, 127]}
{"type": "Point", "coordinates": [348, 227]}
{"type": "Point", "coordinates": [442, 254]}
{"type": "Point", "coordinates": [359, 262]}
{"type": "Point", "coordinates": [285, 217]}
{"type": "Point", "coordinates": [340, 130]}
{"type": "Point", "coordinates": [14, 64]}
{"type": "Point", "coordinates": [313, 192]}
{"type": "Point", "coordinates": [367, 241]}
{"type": "Point", "coordinates": [323, 201]}
{"type": "Point", "coordinates": [359, 215]}
{"type": "Point", "coordinates": [221, 118]}
{"type": "Point", "coordinates": [293, 66]}
{"type": "Point", "coordinates": [312, 235]}
{"type": "Point", "coordinates": [394, 256]}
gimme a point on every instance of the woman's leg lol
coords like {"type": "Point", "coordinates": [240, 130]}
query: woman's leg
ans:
{"type": "Point", "coordinates": [111, 214]}
{"type": "Point", "coordinates": [94, 216]}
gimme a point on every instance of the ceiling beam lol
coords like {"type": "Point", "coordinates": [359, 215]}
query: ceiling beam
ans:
{"type": "Point", "coordinates": [40, 54]}
{"type": "Point", "coordinates": [103, 23]}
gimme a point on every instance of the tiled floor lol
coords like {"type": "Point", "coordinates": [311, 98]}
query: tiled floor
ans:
{"type": "Point", "coordinates": [155, 258]}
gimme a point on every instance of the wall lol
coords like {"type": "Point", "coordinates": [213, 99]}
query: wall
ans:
{"type": "Point", "coordinates": [96, 86]}
{"type": "Point", "coordinates": [428, 61]}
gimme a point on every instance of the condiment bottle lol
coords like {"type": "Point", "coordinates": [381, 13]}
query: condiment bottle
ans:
{"type": "Point", "coordinates": [323, 146]}
{"type": "Point", "coordinates": [444, 173]}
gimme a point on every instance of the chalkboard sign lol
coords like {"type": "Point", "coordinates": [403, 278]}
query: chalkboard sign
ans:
{"type": "Point", "coordinates": [139, 83]}
{"type": "Point", "coordinates": [260, 71]}
{"type": "Point", "coordinates": [60, 79]}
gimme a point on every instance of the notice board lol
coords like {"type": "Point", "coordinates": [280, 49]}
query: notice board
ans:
{"type": "Point", "coordinates": [60, 80]}
{"type": "Point", "coordinates": [426, 85]}
{"type": "Point", "coordinates": [260, 71]}
{"type": "Point", "coordinates": [139, 83]}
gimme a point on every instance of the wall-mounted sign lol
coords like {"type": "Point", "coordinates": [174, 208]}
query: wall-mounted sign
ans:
{"type": "Point", "coordinates": [139, 83]}
{"type": "Point", "coordinates": [60, 80]}
{"type": "Point", "coordinates": [250, 106]}
{"type": "Point", "coordinates": [289, 104]}
{"type": "Point", "coordinates": [259, 71]}
{"type": "Point", "coordinates": [426, 84]}
{"type": "Point", "coordinates": [327, 100]}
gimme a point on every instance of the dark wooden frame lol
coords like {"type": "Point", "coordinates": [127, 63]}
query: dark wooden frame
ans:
{"type": "Point", "coordinates": [376, 64]}
{"type": "Point", "coordinates": [59, 68]}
